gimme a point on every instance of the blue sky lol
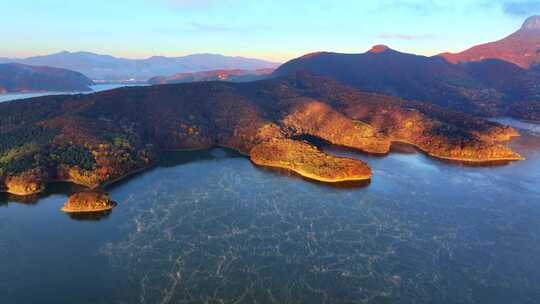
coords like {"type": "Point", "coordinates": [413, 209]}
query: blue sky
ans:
{"type": "Point", "coordinates": [276, 30]}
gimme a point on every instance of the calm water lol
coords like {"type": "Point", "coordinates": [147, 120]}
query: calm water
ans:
{"type": "Point", "coordinates": [95, 88]}
{"type": "Point", "coordinates": [210, 227]}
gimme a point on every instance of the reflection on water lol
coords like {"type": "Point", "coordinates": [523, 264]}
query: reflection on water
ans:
{"type": "Point", "coordinates": [209, 227]}
{"type": "Point", "coordinates": [56, 188]}
{"type": "Point", "coordinates": [176, 158]}
{"type": "Point", "coordinates": [6, 198]}
{"type": "Point", "coordinates": [89, 216]}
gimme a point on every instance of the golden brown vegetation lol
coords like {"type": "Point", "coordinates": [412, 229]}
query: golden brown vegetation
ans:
{"type": "Point", "coordinates": [308, 161]}
{"type": "Point", "coordinates": [88, 202]}
{"type": "Point", "coordinates": [95, 139]}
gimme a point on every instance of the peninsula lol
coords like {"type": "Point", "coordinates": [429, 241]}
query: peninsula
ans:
{"type": "Point", "coordinates": [95, 139]}
{"type": "Point", "coordinates": [20, 78]}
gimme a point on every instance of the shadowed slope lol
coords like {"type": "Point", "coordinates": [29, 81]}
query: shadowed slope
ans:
{"type": "Point", "coordinates": [23, 78]}
{"type": "Point", "coordinates": [485, 88]}
{"type": "Point", "coordinates": [390, 72]}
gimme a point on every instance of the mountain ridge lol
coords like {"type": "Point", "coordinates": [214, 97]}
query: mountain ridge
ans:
{"type": "Point", "coordinates": [487, 87]}
{"type": "Point", "coordinates": [521, 48]}
{"type": "Point", "coordinates": [390, 72]}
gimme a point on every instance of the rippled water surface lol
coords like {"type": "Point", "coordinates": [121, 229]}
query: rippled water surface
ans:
{"type": "Point", "coordinates": [210, 227]}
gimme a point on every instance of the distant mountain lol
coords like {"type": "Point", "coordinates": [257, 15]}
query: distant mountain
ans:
{"type": "Point", "coordinates": [16, 77]}
{"type": "Point", "coordinates": [487, 88]}
{"type": "Point", "coordinates": [215, 75]}
{"type": "Point", "coordinates": [521, 48]}
{"type": "Point", "coordinates": [109, 68]}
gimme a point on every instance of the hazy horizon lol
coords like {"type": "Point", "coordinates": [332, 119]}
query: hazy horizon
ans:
{"type": "Point", "coordinates": [270, 30]}
{"type": "Point", "coordinates": [135, 58]}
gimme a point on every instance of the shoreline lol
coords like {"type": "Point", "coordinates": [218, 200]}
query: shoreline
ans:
{"type": "Point", "coordinates": [123, 177]}
{"type": "Point", "coordinates": [309, 176]}
{"type": "Point", "coordinates": [461, 159]}
{"type": "Point", "coordinates": [314, 177]}
{"type": "Point", "coordinates": [111, 182]}
{"type": "Point", "coordinates": [43, 92]}
{"type": "Point", "coordinates": [70, 210]}
{"type": "Point", "coordinates": [419, 149]}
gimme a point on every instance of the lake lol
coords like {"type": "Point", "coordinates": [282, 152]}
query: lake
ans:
{"type": "Point", "coordinates": [210, 227]}
{"type": "Point", "coordinates": [95, 88]}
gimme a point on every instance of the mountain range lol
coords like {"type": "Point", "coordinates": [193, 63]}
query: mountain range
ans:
{"type": "Point", "coordinates": [113, 69]}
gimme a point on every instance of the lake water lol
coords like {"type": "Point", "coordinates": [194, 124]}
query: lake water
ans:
{"type": "Point", "coordinates": [95, 88]}
{"type": "Point", "coordinates": [209, 227]}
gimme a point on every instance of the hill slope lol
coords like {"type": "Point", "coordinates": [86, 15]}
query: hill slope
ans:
{"type": "Point", "coordinates": [485, 88]}
{"type": "Point", "coordinates": [390, 72]}
{"type": "Point", "coordinates": [521, 48]}
{"type": "Point", "coordinates": [23, 78]}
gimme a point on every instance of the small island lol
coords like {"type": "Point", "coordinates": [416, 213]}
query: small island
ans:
{"type": "Point", "coordinates": [93, 201]}
{"type": "Point", "coordinates": [24, 184]}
